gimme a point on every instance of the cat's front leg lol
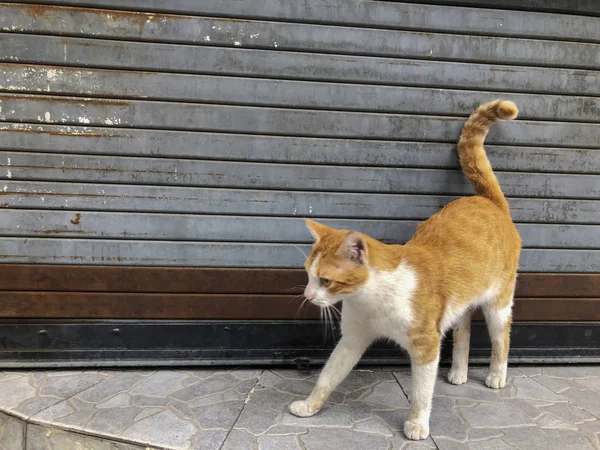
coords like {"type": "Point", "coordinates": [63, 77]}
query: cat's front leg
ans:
{"type": "Point", "coordinates": [424, 365]}
{"type": "Point", "coordinates": [344, 357]}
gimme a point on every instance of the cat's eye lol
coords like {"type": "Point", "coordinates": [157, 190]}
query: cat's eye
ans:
{"type": "Point", "coordinates": [325, 282]}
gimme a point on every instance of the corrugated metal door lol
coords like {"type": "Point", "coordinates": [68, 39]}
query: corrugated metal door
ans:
{"type": "Point", "coordinates": [157, 158]}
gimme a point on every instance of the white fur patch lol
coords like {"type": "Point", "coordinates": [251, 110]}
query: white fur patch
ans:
{"type": "Point", "coordinates": [453, 314]}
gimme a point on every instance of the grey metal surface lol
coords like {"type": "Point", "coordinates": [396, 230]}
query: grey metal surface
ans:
{"type": "Point", "coordinates": [310, 38]}
{"type": "Point", "coordinates": [128, 138]}
{"type": "Point", "coordinates": [188, 227]}
{"type": "Point", "coordinates": [379, 14]}
{"type": "Point", "coordinates": [185, 172]}
{"type": "Point", "coordinates": [300, 94]}
{"type": "Point", "coordinates": [282, 121]}
{"type": "Point", "coordinates": [234, 254]}
{"type": "Point", "coordinates": [107, 197]}
{"type": "Point", "coordinates": [284, 149]}
{"type": "Point", "coordinates": [293, 65]}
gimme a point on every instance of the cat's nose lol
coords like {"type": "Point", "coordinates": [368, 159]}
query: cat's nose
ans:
{"type": "Point", "coordinates": [310, 294]}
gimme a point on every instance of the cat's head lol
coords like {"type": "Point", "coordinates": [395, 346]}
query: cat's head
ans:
{"type": "Point", "coordinates": [337, 266]}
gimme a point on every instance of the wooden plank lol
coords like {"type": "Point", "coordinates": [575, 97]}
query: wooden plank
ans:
{"type": "Point", "coordinates": [283, 121]}
{"type": "Point", "coordinates": [226, 254]}
{"type": "Point", "coordinates": [298, 94]}
{"type": "Point", "coordinates": [80, 52]}
{"type": "Point", "coordinates": [193, 280]}
{"type": "Point", "coordinates": [183, 172]}
{"type": "Point", "coordinates": [64, 224]}
{"type": "Point", "coordinates": [79, 305]}
{"type": "Point", "coordinates": [280, 149]}
{"type": "Point", "coordinates": [124, 198]}
{"type": "Point", "coordinates": [557, 285]}
{"type": "Point", "coordinates": [374, 14]}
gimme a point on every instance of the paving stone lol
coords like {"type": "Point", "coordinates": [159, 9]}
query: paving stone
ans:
{"type": "Point", "coordinates": [480, 434]}
{"type": "Point", "coordinates": [284, 430]}
{"type": "Point", "coordinates": [10, 375]}
{"type": "Point", "coordinates": [529, 370]}
{"type": "Point", "coordinates": [145, 412]}
{"type": "Point", "coordinates": [209, 386]}
{"type": "Point", "coordinates": [278, 443]}
{"type": "Point", "coordinates": [532, 438]}
{"type": "Point", "coordinates": [571, 371]}
{"type": "Point", "coordinates": [42, 438]}
{"type": "Point", "coordinates": [141, 400]}
{"type": "Point", "coordinates": [218, 398]}
{"type": "Point", "coordinates": [449, 444]}
{"type": "Point", "coordinates": [394, 419]}
{"type": "Point", "coordinates": [160, 384]}
{"type": "Point", "coordinates": [329, 416]}
{"type": "Point", "coordinates": [492, 415]}
{"type": "Point", "coordinates": [388, 394]}
{"type": "Point", "coordinates": [587, 400]}
{"type": "Point", "coordinates": [218, 415]}
{"type": "Point", "coordinates": [119, 382]}
{"type": "Point", "coordinates": [117, 401]}
{"type": "Point", "coordinates": [335, 439]}
{"type": "Point", "coordinates": [264, 409]}
{"type": "Point", "coordinates": [471, 390]}
{"type": "Point", "coordinates": [529, 388]}
{"type": "Point", "coordinates": [569, 412]}
{"type": "Point", "coordinates": [359, 410]}
{"type": "Point", "coordinates": [164, 428]}
{"type": "Point", "coordinates": [34, 405]}
{"type": "Point", "coordinates": [551, 421]}
{"type": "Point", "coordinates": [58, 410]}
{"type": "Point", "coordinates": [247, 374]}
{"type": "Point", "coordinates": [445, 420]}
{"type": "Point", "coordinates": [65, 386]}
{"type": "Point", "coordinates": [239, 440]}
{"type": "Point", "coordinates": [209, 439]}
{"type": "Point", "coordinates": [111, 421]}
{"type": "Point", "coordinates": [492, 444]}
{"type": "Point", "coordinates": [588, 383]}
{"type": "Point", "coordinates": [296, 387]}
{"type": "Point", "coordinates": [526, 406]}
{"type": "Point", "coordinates": [374, 426]}
{"type": "Point", "coordinates": [245, 386]}
{"type": "Point", "coordinates": [556, 385]}
{"type": "Point", "coordinates": [12, 433]}
{"type": "Point", "coordinates": [15, 391]}
{"type": "Point", "coordinates": [358, 380]}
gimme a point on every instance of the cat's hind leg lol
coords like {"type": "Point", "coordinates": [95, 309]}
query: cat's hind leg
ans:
{"type": "Point", "coordinates": [498, 316]}
{"type": "Point", "coordinates": [460, 350]}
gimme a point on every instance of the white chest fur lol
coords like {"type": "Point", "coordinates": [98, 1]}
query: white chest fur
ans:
{"type": "Point", "coordinates": [382, 307]}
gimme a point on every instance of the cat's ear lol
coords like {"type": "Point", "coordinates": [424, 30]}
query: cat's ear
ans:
{"type": "Point", "coordinates": [318, 230]}
{"type": "Point", "coordinates": [355, 247]}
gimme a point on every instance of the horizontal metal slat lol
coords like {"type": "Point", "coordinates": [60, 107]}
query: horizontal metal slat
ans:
{"type": "Point", "coordinates": [370, 14]}
{"type": "Point", "coordinates": [278, 149]}
{"type": "Point", "coordinates": [303, 37]}
{"type": "Point", "coordinates": [86, 197]}
{"type": "Point", "coordinates": [201, 254]}
{"type": "Point", "coordinates": [292, 65]}
{"type": "Point", "coordinates": [64, 224]}
{"type": "Point", "coordinates": [279, 121]}
{"type": "Point", "coordinates": [283, 93]}
{"type": "Point", "coordinates": [184, 172]}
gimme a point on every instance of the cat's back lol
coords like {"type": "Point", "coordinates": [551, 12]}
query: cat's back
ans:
{"type": "Point", "coordinates": [473, 224]}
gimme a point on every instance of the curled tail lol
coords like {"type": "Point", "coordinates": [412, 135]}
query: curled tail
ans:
{"type": "Point", "coordinates": [473, 160]}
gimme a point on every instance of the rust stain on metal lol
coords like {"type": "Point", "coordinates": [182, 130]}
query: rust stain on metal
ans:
{"type": "Point", "coordinates": [77, 219]}
{"type": "Point", "coordinates": [4, 205]}
{"type": "Point", "coordinates": [61, 132]}
{"type": "Point", "coordinates": [36, 11]}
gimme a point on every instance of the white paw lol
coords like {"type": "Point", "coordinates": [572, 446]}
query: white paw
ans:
{"type": "Point", "coordinates": [495, 381]}
{"type": "Point", "coordinates": [416, 430]}
{"type": "Point", "coordinates": [458, 376]}
{"type": "Point", "coordinates": [301, 408]}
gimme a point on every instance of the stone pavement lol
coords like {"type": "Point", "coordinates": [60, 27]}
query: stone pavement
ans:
{"type": "Point", "coordinates": [551, 407]}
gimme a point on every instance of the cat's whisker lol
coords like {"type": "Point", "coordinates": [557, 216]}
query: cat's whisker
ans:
{"type": "Point", "coordinates": [301, 251]}
{"type": "Point", "coordinates": [295, 298]}
{"type": "Point", "coordinates": [299, 308]}
{"type": "Point", "coordinates": [301, 286]}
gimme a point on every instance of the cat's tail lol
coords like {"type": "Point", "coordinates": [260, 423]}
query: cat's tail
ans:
{"type": "Point", "coordinates": [473, 160]}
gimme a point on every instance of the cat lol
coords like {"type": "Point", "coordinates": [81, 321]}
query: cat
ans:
{"type": "Point", "coordinates": [463, 257]}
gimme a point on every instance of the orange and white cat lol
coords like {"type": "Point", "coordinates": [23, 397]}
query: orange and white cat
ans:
{"type": "Point", "coordinates": [463, 257]}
